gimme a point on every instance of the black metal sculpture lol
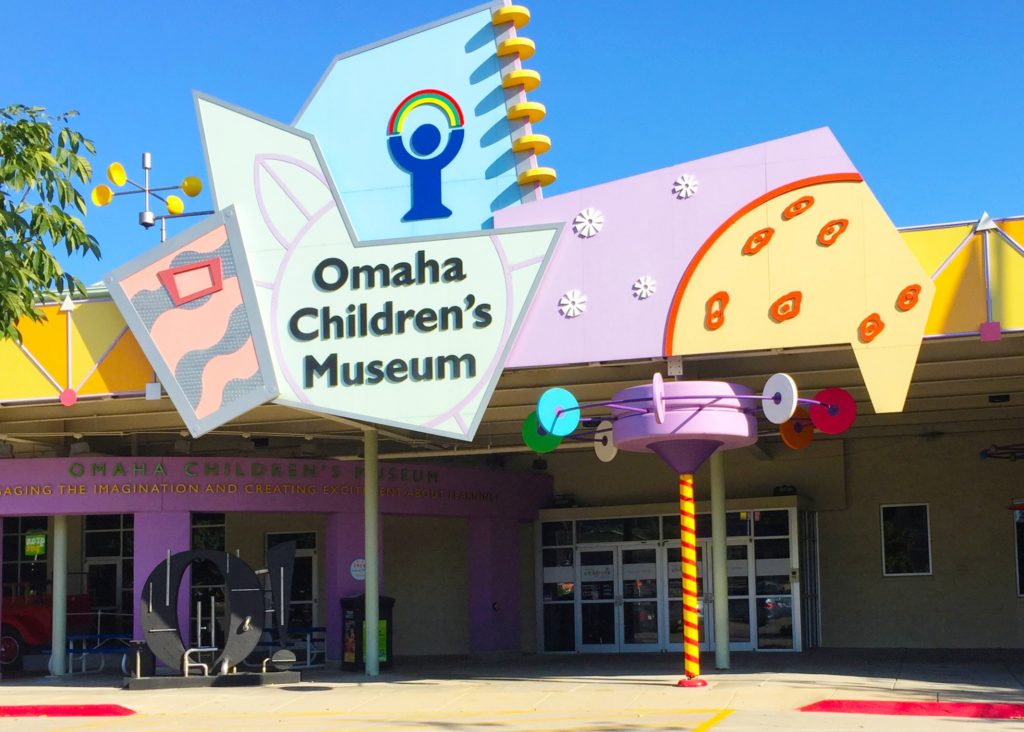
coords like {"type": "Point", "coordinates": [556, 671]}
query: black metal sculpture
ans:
{"type": "Point", "coordinates": [244, 611]}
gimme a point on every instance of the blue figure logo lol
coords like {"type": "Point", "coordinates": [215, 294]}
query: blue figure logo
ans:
{"type": "Point", "coordinates": [425, 172]}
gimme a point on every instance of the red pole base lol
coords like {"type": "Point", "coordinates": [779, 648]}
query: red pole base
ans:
{"type": "Point", "coordinates": [693, 683]}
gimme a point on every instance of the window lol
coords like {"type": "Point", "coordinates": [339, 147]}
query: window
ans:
{"type": "Point", "coordinates": [1018, 522]}
{"type": "Point", "coordinates": [23, 574]}
{"type": "Point", "coordinates": [906, 542]}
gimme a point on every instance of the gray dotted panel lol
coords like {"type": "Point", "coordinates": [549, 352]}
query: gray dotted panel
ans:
{"type": "Point", "coordinates": [189, 372]}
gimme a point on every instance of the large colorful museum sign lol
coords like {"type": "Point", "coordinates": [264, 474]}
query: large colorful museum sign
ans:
{"type": "Point", "coordinates": [385, 256]}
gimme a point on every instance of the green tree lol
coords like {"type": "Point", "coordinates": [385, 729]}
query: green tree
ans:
{"type": "Point", "coordinates": [41, 158]}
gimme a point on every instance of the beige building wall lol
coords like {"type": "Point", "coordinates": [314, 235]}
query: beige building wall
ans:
{"type": "Point", "coordinates": [247, 532]}
{"type": "Point", "coordinates": [817, 472]}
{"type": "Point", "coordinates": [969, 600]}
{"type": "Point", "coordinates": [426, 570]}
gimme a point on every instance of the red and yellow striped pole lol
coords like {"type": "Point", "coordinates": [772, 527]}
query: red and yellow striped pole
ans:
{"type": "Point", "coordinates": [691, 617]}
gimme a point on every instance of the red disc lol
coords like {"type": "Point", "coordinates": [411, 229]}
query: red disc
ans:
{"type": "Point", "coordinates": [836, 412]}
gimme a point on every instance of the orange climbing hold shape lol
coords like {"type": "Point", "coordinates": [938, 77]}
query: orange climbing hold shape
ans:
{"type": "Point", "coordinates": [831, 231]}
{"type": "Point", "coordinates": [758, 241]}
{"type": "Point", "coordinates": [870, 327]}
{"type": "Point", "coordinates": [908, 297]}
{"type": "Point", "coordinates": [786, 307]}
{"type": "Point", "coordinates": [798, 207]}
{"type": "Point", "coordinates": [714, 315]}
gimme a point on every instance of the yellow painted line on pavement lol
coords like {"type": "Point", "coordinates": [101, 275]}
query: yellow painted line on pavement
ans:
{"type": "Point", "coordinates": [370, 721]}
{"type": "Point", "coordinates": [705, 726]}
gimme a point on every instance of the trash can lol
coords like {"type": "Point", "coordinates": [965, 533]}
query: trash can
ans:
{"type": "Point", "coordinates": [140, 660]}
{"type": "Point", "coordinates": [353, 629]}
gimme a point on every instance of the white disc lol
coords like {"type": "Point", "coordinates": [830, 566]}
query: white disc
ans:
{"type": "Point", "coordinates": [603, 445]}
{"type": "Point", "coordinates": [779, 398]}
{"type": "Point", "coordinates": [658, 397]}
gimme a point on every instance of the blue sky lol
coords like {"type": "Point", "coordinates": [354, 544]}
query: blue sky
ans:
{"type": "Point", "coordinates": [924, 96]}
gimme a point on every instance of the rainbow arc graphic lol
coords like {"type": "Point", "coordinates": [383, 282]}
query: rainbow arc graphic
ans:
{"type": "Point", "coordinates": [426, 97]}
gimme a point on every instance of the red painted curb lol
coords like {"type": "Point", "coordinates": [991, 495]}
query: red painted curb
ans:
{"type": "Point", "coordinates": [919, 709]}
{"type": "Point", "coordinates": [66, 710]}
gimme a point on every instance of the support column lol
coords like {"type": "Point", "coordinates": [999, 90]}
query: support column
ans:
{"type": "Point", "coordinates": [155, 533]}
{"type": "Point", "coordinates": [59, 638]}
{"type": "Point", "coordinates": [691, 613]}
{"type": "Point", "coordinates": [719, 562]}
{"type": "Point", "coordinates": [493, 585]}
{"type": "Point", "coordinates": [371, 522]}
{"type": "Point", "coordinates": [343, 543]}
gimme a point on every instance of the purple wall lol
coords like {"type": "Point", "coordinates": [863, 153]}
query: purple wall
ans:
{"type": "Point", "coordinates": [155, 533]}
{"type": "Point", "coordinates": [162, 492]}
{"type": "Point", "coordinates": [129, 485]}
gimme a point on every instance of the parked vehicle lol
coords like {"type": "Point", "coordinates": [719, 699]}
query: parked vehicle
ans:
{"type": "Point", "coordinates": [26, 624]}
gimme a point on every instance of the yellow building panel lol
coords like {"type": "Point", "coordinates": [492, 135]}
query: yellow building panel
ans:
{"type": "Point", "coordinates": [47, 342]}
{"type": "Point", "coordinates": [124, 370]}
{"type": "Point", "coordinates": [933, 246]}
{"type": "Point", "coordinates": [104, 356]}
{"type": "Point", "coordinates": [95, 327]}
{"type": "Point", "coordinates": [22, 380]}
{"type": "Point", "coordinates": [1006, 268]}
{"type": "Point", "coordinates": [959, 305]}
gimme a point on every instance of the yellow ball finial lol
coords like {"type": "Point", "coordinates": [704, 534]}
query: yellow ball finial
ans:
{"type": "Point", "coordinates": [102, 195]}
{"type": "Point", "coordinates": [116, 174]}
{"type": "Point", "coordinates": [175, 206]}
{"type": "Point", "coordinates": [192, 186]}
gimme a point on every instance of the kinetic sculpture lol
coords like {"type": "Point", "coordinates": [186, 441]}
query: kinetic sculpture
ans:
{"type": "Point", "coordinates": [683, 423]}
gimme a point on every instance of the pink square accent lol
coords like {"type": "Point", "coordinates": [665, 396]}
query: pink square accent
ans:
{"type": "Point", "coordinates": [990, 331]}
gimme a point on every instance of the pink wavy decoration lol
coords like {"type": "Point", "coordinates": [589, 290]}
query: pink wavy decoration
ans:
{"type": "Point", "coordinates": [219, 371]}
{"type": "Point", "coordinates": [180, 331]}
{"type": "Point", "coordinates": [145, 279]}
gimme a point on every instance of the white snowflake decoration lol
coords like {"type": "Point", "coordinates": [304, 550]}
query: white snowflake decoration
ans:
{"type": "Point", "coordinates": [644, 287]}
{"type": "Point", "coordinates": [685, 185]}
{"type": "Point", "coordinates": [588, 222]}
{"type": "Point", "coordinates": [572, 304]}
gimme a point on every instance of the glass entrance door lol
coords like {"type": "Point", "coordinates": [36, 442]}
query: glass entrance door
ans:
{"type": "Point", "coordinates": [303, 608]}
{"type": "Point", "coordinates": [618, 601]}
{"type": "Point", "coordinates": [741, 599]}
{"type": "Point", "coordinates": [639, 603]}
{"type": "Point", "coordinates": [596, 623]}
{"type": "Point", "coordinates": [674, 585]}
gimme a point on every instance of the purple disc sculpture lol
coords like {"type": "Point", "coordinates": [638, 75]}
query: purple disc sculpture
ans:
{"type": "Point", "coordinates": [700, 417]}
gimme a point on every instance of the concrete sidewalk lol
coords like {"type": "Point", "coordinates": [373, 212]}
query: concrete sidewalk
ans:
{"type": "Point", "coordinates": [575, 692]}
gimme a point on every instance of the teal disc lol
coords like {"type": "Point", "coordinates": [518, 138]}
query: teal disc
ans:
{"type": "Point", "coordinates": [558, 412]}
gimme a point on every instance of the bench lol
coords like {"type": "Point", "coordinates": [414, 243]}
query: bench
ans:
{"type": "Point", "coordinates": [82, 646]}
{"type": "Point", "coordinates": [313, 641]}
